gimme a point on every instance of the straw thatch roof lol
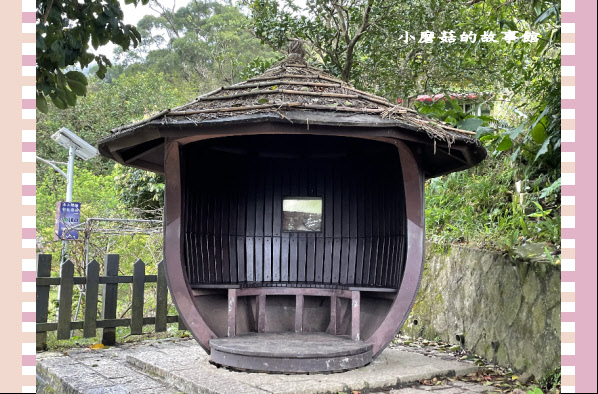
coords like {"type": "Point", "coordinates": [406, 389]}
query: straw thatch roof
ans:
{"type": "Point", "coordinates": [293, 90]}
{"type": "Point", "coordinates": [292, 84]}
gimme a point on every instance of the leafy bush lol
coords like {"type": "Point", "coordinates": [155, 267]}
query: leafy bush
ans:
{"type": "Point", "coordinates": [480, 207]}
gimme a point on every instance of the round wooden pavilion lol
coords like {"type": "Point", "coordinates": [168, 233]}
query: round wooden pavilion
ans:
{"type": "Point", "coordinates": [294, 215]}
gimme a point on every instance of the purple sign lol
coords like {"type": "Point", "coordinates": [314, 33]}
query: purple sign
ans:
{"type": "Point", "coordinates": [67, 217]}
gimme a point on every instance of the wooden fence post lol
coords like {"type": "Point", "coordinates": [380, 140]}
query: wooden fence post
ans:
{"type": "Point", "coordinates": [137, 301]}
{"type": "Point", "coordinates": [42, 296]}
{"type": "Point", "coordinates": [109, 299]}
{"type": "Point", "coordinates": [92, 280]}
{"type": "Point", "coordinates": [92, 272]}
{"type": "Point", "coordinates": [161, 299]}
{"type": "Point", "coordinates": [66, 300]}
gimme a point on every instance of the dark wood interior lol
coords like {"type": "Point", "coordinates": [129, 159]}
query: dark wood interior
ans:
{"type": "Point", "coordinates": [232, 191]}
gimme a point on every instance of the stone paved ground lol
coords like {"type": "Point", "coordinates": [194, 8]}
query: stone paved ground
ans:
{"type": "Point", "coordinates": [449, 388]}
{"type": "Point", "coordinates": [175, 366]}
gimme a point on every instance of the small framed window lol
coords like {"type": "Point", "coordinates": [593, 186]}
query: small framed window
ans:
{"type": "Point", "coordinates": [301, 214]}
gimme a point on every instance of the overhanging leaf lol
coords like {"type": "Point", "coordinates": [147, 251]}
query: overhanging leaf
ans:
{"type": "Point", "coordinates": [470, 124]}
{"type": "Point", "coordinates": [451, 120]}
{"type": "Point", "coordinates": [482, 131]}
{"type": "Point", "coordinates": [543, 148]}
{"type": "Point", "coordinates": [538, 133]}
{"type": "Point", "coordinates": [71, 98]}
{"type": "Point", "coordinates": [515, 154]}
{"type": "Point", "coordinates": [77, 87]}
{"type": "Point", "coordinates": [39, 42]}
{"type": "Point", "coordinates": [514, 133]}
{"type": "Point", "coordinates": [76, 76]}
{"type": "Point", "coordinates": [546, 14]}
{"type": "Point", "coordinates": [489, 137]}
{"type": "Point", "coordinates": [41, 103]}
{"type": "Point", "coordinates": [505, 144]}
{"type": "Point", "coordinates": [556, 185]}
{"type": "Point", "coordinates": [59, 102]}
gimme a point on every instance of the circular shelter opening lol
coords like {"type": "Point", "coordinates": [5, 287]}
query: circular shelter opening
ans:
{"type": "Point", "coordinates": [294, 230]}
{"type": "Point", "coordinates": [237, 232]}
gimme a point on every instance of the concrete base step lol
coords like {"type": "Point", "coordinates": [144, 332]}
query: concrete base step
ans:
{"type": "Point", "coordinates": [181, 366]}
{"type": "Point", "coordinates": [192, 374]}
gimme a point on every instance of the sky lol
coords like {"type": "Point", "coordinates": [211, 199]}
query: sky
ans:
{"type": "Point", "coordinates": [133, 15]}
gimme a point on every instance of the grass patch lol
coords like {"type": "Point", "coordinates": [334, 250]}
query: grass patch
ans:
{"type": "Point", "coordinates": [123, 335]}
{"type": "Point", "coordinates": [482, 208]}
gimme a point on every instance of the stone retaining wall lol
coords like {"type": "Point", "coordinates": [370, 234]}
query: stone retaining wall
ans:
{"type": "Point", "coordinates": [507, 309]}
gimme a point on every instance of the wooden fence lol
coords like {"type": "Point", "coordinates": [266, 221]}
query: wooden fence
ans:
{"type": "Point", "coordinates": [92, 280]}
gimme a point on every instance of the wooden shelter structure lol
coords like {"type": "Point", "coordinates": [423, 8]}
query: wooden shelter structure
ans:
{"type": "Point", "coordinates": [294, 214]}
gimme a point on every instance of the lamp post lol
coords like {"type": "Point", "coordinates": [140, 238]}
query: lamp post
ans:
{"type": "Point", "coordinates": [69, 174]}
{"type": "Point", "coordinates": [77, 147]}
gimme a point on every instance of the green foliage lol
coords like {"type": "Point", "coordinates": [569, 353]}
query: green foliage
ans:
{"type": "Point", "coordinates": [551, 381]}
{"type": "Point", "coordinates": [450, 111]}
{"type": "Point", "coordinates": [333, 29]}
{"type": "Point", "coordinates": [370, 42]}
{"type": "Point", "coordinates": [140, 190]}
{"type": "Point", "coordinates": [373, 42]}
{"type": "Point", "coordinates": [95, 192]}
{"type": "Point", "coordinates": [258, 66]}
{"type": "Point", "coordinates": [63, 32]}
{"type": "Point", "coordinates": [99, 199]}
{"type": "Point", "coordinates": [203, 42]}
{"type": "Point", "coordinates": [479, 207]}
{"type": "Point", "coordinates": [532, 72]}
{"type": "Point", "coordinates": [185, 52]}
{"type": "Point", "coordinates": [127, 98]}
{"type": "Point", "coordinates": [182, 53]}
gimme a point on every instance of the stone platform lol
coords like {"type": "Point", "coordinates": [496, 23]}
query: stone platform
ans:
{"type": "Point", "coordinates": [290, 352]}
{"type": "Point", "coordinates": [181, 366]}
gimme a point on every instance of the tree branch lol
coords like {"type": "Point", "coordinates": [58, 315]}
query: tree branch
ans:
{"type": "Point", "coordinates": [351, 45]}
{"type": "Point", "coordinates": [47, 12]}
{"type": "Point", "coordinates": [166, 14]}
{"type": "Point", "coordinates": [343, 24]}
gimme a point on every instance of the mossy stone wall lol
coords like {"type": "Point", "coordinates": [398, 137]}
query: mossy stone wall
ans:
{"type": "Point", "coordinates": [508, 309]}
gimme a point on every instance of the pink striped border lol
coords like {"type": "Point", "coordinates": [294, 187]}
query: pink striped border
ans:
{"type": "Point", "coordinates": [567, 200]}
{"type": "Point", "coordinates": [578, 307]}
{"type": "Point", "coordinates": [578, 166]}
{"type": "Point", "coordinates": [28, 243]}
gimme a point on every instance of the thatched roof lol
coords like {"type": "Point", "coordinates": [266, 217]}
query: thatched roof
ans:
{"type": "Point", "coordinates": [292, 90]}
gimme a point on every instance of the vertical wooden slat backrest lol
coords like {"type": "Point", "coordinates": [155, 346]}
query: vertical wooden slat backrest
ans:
{"type": "Point", "coordinates": [233, 219]}
{"type": "Point", "coordinates": [268, 211]}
